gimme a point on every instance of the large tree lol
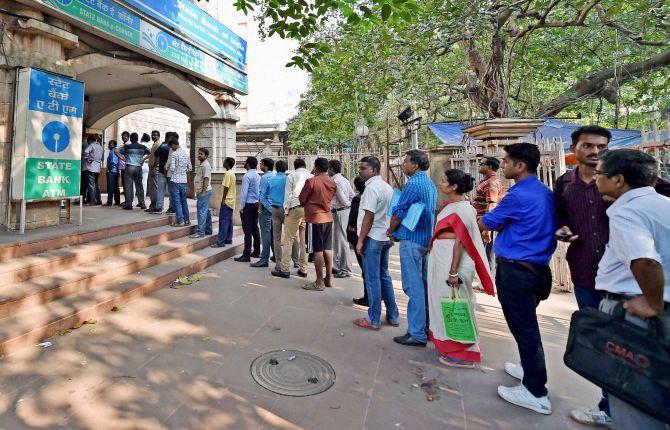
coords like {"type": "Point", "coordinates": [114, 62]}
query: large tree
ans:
{"type": "Point", "coordinates": [586, 49]}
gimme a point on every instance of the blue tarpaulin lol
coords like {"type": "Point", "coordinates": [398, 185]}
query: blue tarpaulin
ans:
{"type": "Point", "coordinates": [451, 134]}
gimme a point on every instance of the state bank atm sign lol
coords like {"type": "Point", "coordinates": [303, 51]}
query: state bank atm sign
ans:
{"type": "Point", "coordinates": [46, 161]}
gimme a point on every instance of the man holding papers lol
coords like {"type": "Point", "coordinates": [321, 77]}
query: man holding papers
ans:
{"type": "Point", "coordinates": [412, 225]}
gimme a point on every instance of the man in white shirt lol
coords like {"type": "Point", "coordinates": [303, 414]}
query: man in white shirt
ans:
{"type": "Point", "coordinates": [294, 222]}
{"type": "Point", "coordinates": [203, 192]}
{"type": "Point", "coordinates": [93, 156]}
{"type": "Point", "coordinates": [375, 246]}
{"type": "Point", "coordinates": [341, 207]}
{"type": "Point", "coordinates": [635, 268]}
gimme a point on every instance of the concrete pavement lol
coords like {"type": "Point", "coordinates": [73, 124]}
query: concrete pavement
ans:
{"type": "Point", "coordinates": [179, 359]}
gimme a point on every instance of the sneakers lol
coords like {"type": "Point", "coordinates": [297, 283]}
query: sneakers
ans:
{"type": "Point", "coordinates": [514, 370]}
{"type": "Point", "coordinates": [592, 417]}
{"type": "Point", "coordinates": [520, 396]}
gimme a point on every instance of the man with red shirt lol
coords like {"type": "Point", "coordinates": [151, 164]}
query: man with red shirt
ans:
{"type": "Point", "coordinates": [584, 224]}
{"type": "Point", "coordinates": [316, 198]}
{"type": "Point", "coordinates": [487, 195]}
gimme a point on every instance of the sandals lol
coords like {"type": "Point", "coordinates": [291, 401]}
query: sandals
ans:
{"type": "Point", "coordinates": [362, 322]}
{"type": "Point", "coordinates": [313, 286]}
{"type": "Point", "coordinates": [454, 362]}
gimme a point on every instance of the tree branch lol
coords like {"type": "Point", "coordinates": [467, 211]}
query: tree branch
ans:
{"type": "Point", "coordinates": [635, 37]}
{"type": "Point", "coordinates": [578, 21]}
{"type": "Point", "coordinates": [596, 84]}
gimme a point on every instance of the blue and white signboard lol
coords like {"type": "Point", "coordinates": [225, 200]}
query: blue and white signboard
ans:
{"type": "Point", "coordinates": [46, 161]}
{"type": "Point", "coordinates": [197, 25]}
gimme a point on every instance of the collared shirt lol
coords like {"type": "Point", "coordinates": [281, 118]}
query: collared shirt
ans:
{"type": "Point", "coordinates": [294, 185]}
{"type": "Point", "coordinates": [94, 155]}
{"type": "Point", "coordinates": [265, 189]}
{"type": "Point", "coordinates": [251, 188]}
{"type": "Point", "coordinates": [639, 228]}
{"type": "Point", "coordinates": [204, 170]}
{"type": "Point", "coordinates": [418, 189]}
{"type": "Point", "coordinates": [490, 190]}
{"type": "Point", "coordinates": [153, 161]}
{"type": "Point", "coordinates": [527, 218]}
{"type": "Point", "coordinates": [112, 162]}
{"type": "Point", "coordinates": [376, 199]}
{"type": "Point", "coordinates": [134, 153]}
{"type": "Point", "coordinates": [344, 194]}
{"type": "Point", "coordinates": [277, 189]}
{"type": "Point", "coordinates": [179, 165]}
{"type": "Point", "coordinates": [230, 182]}
{"type": "Point", "coordinates": [317, 199]}
{"type": "Point", "coordinates": [581, 207]}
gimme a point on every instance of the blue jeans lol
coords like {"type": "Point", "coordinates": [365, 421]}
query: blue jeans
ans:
{"type": "Point", "coordinates": [204, 216]}
{"type": "Point", "coordinates": [414, 265]}
{"type": "Point", "coordinates": [225, 236]}
{"type": "Point", "coordinates": [265, 223]}
{"type": "Point", "coordinates": [589, 297]}
{"type": "Point", "coordinates": [160, 190]}
{"type": "Point", "coordinates": [178, 193]}
{"type": "Point", "coordinates": [518, 290]}
{"type": "Point", "coordinates": [378, 281]}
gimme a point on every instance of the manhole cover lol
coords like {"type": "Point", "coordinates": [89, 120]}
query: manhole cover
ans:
{"type": "Point", "coordinates": [293, 373]}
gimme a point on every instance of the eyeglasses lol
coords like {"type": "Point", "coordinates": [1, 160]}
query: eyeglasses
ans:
{"type": "Point", "coordinates": [600, 172]}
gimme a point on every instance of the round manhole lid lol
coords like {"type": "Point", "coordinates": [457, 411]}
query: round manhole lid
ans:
{"type": "Point", "coordinates": [293, 373]}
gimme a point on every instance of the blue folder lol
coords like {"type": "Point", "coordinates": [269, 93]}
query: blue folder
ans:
{"type": "Point", "coordinates": [413, 214]}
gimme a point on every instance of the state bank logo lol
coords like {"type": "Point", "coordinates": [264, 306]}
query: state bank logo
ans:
{"type": "Point", "coordinates": [63, 2]}
{"type": "Point", "coordinates": [56, 136]}
{"type": "Point", "coordinates": [162, 42]}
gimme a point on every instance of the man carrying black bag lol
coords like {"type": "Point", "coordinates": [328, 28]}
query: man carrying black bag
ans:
{"type": "Point", "coordinates": [635, 268]}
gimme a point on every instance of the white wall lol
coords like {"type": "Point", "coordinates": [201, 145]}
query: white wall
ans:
{"type": "Point", "coordinates": [144, 121]}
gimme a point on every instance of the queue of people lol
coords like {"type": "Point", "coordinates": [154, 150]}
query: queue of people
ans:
{"type": "Point", "coordinates": [500, 242]}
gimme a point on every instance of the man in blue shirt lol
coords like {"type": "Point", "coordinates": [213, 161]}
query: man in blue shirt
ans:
{"type": "Point", "coordinates": [414, 244]}
{"type": "Point", "coordinates": [113, 190]}
{"type": "Point", "coordinates": [274, 199]}
{"type": "Point", "coordinates": [265, 213]}
{"type": "Point", "coordinates": [249, 198]}
{"type": "Point", "coordinates": [526, 221]}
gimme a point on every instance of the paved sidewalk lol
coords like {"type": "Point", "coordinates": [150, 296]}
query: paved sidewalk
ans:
{"type": "Point", "coordinates": [179, 359]}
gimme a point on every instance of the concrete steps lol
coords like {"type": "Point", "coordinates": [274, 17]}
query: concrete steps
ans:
{"type": "Point", "coordinates": [61, 287]}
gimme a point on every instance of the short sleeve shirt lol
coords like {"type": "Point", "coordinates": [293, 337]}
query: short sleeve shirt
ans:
{"type": "Point", "coordinates": [229, 181]}
{"type": "Point", "coordinates": [490, 190]}
{"type": "Point", "coordinates": [203, 171]}
{"type": "Point", "coordinates": [376, 199]}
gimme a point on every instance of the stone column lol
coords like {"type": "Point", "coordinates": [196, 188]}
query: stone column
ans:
{"type": "Point", "coordinates": [34, 40]}
{"type": "Point", "coordinates": [218, 135]}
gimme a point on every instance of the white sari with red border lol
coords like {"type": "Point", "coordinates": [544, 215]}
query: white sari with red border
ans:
{"type": "Point", "coordinates": [459, 218]}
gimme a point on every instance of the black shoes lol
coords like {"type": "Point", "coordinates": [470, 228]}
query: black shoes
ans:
{"type": "Point", "coordinates": [280, 274]}
{"type": "Point", "coordinates": [242, 259]}
{"type": "Point", "coordinates": [302, 274]}
{"type": "Point", "coordinates": [273, 259]}
{"type": "Point", "coordinates": [128, 208]}
{"type": "Point", "coordinates": [362, 302]}
{"type": "Point", "coordinates": [408, 340]}
{"type": "Point", "coordinates": [216, 245]}
{"type": "Point", "coordinates": [259, 264]}
{"type": "Point", "coordinates": [341, 275]}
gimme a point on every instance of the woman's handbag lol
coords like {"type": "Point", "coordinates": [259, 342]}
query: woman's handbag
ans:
{"type": "Point", "coordinates": [459, 319]}
{"type": "Point", "coordinates": [626, 360]}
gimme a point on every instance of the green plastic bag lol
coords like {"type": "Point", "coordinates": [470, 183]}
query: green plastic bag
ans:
{"type": "Point", "coordinates": [459, 319]}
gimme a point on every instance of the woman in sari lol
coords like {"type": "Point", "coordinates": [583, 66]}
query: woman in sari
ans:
{"type": "Point", "coordinates": [456, 255]}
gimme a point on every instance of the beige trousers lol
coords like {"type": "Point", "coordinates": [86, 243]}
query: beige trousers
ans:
{"type": "Point", "coordinates": [294, 229]}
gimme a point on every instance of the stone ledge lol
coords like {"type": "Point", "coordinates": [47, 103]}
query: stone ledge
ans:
{"type": "Point", "coordinates": [67, 39]}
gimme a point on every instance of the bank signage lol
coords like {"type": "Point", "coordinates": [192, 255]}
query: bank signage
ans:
{"type": "Point", "coordinates": [46, 158]}
{"type": "Point", "coordinates": [128, 27]}
{"type": "Point", "coordinates": [184, 17]}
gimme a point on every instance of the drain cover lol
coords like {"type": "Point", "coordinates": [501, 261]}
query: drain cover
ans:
{"type": "Point", "coordinates": [293, 373]}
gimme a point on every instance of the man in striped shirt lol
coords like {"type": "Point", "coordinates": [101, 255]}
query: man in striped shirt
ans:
{"type": "Point", "coordinates": [179, 165]}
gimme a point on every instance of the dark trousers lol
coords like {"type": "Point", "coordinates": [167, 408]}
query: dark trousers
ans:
{"type": "Point", "coordinates": [250, 229]}
{"type": "Point", "coordinates": [94, 188]}
{"type": "Point", "coordinates": [133, 176]}
{"type": "Point", "coordinates": [225, 236]}
{"type": "Point", "coordinates": [519, 294]}
{"type": "Point", "coordinates": [353, 240]}
{"type": "Point", "coordinates": [589, 297]}
{"type": "Point", "coordinates": [113, 191]}
{"type": "Point", "coordinates": [83, 186]}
